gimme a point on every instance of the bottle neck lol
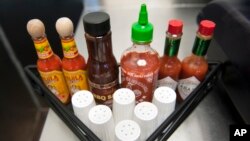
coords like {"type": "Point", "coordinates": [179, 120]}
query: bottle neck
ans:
{"type": "Point", "coordinates": [69, 47]}
{"type": "Point", "coordinates": [142, 43]}
{"type": "Point", "coordinates": [201, 44]}
{"type": "Point", "coordinates": [141, 47]}
{"type": "Point", "coordinates": [43, 47]}
{"type": "Point", "coordinates": [172, 44]}
{"type": "Point", "coordinates": [99, 48]}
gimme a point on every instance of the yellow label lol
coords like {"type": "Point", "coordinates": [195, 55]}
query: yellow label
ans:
{"type": "Point", "coordinates": [55, 81]}
{"type": "Point", "coordinates": [69, 48]}
{"type": "Point", "coordinates": [43, 48]}
{"type": "Point", "coordinates": [76, 80]}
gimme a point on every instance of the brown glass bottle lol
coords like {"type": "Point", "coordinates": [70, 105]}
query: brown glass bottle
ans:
{"type": "Point", "coordinates": [102, 66]}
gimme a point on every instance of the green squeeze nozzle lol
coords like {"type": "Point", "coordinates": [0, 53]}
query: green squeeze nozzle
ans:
{"type": "Point", "coordinates": [142, 31]}
{"type": "Point", "coordinates": [143, 16]}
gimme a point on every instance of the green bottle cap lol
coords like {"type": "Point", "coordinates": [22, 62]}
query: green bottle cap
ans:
{"type": "Point", "coordinates": [142, 31]}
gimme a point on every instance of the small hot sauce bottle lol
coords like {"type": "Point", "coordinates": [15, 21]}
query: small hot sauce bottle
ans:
{"type": "Point", "coordinates": [195, 67]}
{"type": "Point", "coordinates": [48, 63]}
{"type": "Point", "coordinates": [170, 64]}
{"type": "Point", "coordinates": [73, 64]}
{"type": "Point", "coordinates": [140, 63]}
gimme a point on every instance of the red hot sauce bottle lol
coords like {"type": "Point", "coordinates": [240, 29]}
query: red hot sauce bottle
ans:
{"type": "Point", "coordinates": [102, 67]}
{"type": "Point", "coordinates": [170, 64]}
{"type": "Point", "coordinates": [195, 67]}
{"type": "Point", "coordinates": [73, 64]}
{"type": "Point", "coordinates": [140, 63]}
{"type": "Point", "coordinates": [48, 63]}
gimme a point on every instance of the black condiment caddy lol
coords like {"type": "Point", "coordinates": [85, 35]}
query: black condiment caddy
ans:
{"type": "Point", "coordinates": [163, 132]}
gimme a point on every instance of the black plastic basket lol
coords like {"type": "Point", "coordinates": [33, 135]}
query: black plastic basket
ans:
{"type": "Point", "coordinates": [163, 132]}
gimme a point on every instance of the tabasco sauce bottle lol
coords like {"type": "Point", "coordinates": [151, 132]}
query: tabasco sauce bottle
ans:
{"type": "Point", "coordinates": [195, 66]}
{"type": "Point", "coordinates": [73, 64]}
{"type": "Point", "coordinates": [140, 63]}
{"type": "Point", "coordinates": [48, 63]}
{"type": "Point", "coordinates": [170, 64]}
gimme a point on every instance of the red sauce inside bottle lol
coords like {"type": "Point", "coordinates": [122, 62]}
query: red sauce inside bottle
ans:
{"type": "Point", "coordinates": [140, 73]}
{"type": "Point", "coordinates": [102, 68]}
{"type": "Point", "coordinates": [172, 67]}
{"type": "Point", "coordinates": [50, 64]}
{"type": "Point", "coordinates": [78, 63]}
{"type": "Point", "coordinates": [196, 66]}
{"type": "Point", "coordinates": [53, 63]}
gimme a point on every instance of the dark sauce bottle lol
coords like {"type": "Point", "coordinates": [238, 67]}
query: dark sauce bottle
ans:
{"type": "Point", "coordinates": [102, 66]}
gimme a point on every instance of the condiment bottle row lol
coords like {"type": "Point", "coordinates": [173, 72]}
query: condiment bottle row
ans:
{"type": "Point", "coordinates": [142, 69]}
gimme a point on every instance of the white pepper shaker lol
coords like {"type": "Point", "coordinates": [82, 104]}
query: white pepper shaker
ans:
{"type": "Point", "coordinates": [127, 130]}
{"type": "Point", "coordinates": [145, 114]}
{"type": "Point", "coordinates": [164, 99]}
{"type": "Point", "coordinates": [82, 101]}
{"type": "Point", "coordinates": [101, 122]}
{"type": "Point", "coordinates": [123, 104]}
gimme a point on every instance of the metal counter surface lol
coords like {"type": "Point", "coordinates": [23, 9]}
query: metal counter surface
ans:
{"type": "Point", "coordinates": [210, 120]}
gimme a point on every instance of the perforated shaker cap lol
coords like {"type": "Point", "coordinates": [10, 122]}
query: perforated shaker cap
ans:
{"type": "Point", "coordinates": [82, 99]}
{"type": "Point", "coordinates": [127, 130]}
{"type": "Point", "coordinates": [164, 95]}
{"type": "Point", "coordinates": [124, 96]}
{"type": "Point", "coordinates": [145, 111]}
{"type": "Point", "coordinates": [100, 114]}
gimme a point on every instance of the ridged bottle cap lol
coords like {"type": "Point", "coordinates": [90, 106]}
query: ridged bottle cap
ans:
{"type": "Point", "coordinates": [206, 27]}
{"type": "Point", "coordinates": [175, 26]}
{"type": "Point", "coordinates": [96, 23]}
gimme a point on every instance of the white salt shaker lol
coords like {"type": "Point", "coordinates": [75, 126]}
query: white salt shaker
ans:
{"type": "Point", "coordinates": [127, 130]}
{"type": "Point", "coordinates": [164, 99]}
{"type": "Point", "coordinates": [123, 104]}
{"type": "Point", "coordinates": [101, 122]}
{"type": "Point", "coordinates": [82, 101]}
{"type": "Point", "coordinates": [145, 114]}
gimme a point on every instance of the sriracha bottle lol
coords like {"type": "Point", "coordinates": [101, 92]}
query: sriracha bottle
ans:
{"type": "Point", "coordinates": [140, 63]}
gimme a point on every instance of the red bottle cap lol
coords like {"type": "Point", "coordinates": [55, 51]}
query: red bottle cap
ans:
{"type": "Point", "coordinates": [175, 26]}
{"type": "Point", "coordinates": [206, 27]}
